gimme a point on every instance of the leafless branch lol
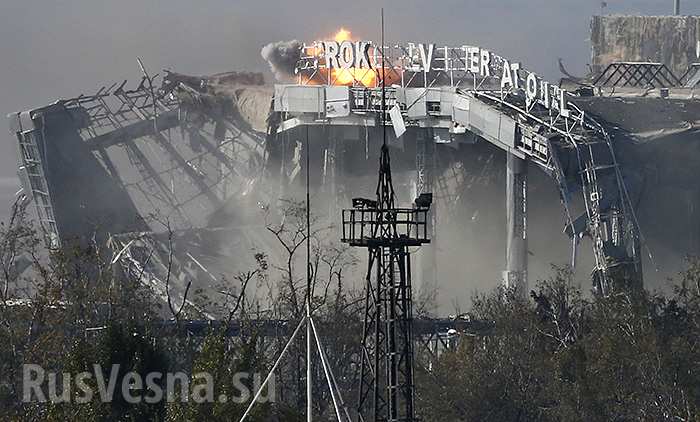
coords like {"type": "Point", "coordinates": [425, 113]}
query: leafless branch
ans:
{"type": "Point", "coordinates": [244, 279]}
{"type": "Point", "coordinates": [171, 252]}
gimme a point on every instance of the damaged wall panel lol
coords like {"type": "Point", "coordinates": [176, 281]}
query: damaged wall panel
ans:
{"type": "Point", "coordinates": [672, 40]}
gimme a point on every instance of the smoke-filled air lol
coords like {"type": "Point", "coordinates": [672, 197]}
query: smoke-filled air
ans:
{"type": "Point", "coordinates": [350, 211]}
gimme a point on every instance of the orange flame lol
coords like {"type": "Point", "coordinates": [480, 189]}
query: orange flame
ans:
{"type": "Point", "coordinates": [365, 77]}
{"type": "Point", "coordinates": [343, 35]}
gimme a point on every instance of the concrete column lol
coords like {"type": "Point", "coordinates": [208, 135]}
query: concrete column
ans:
{"type": "Point", "coordinates": [676, 7]}
{"type": "Point", "coordinates": [515, 274]}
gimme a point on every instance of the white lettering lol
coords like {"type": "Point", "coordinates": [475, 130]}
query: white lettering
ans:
{"type": "Point", "coordinates": [346, 55]}
{"type": "Point", "coordinates": [531, 88]}
{"type": "Point", "coordinates": [506, 78]}
{"type": "Point", "coordinates": [155, 391]}
{"type": "Point", "coordinates": [330, 52]}
{"type": "Point", "coordinates": [184, 386]}
{"type": "Point", "coordinates": [515, 67]}
{"type": "Point", "coordinates": [478, 61]}
{"type": "Point", "coordinates": [132, 382]}
{"type": "Point", "coordinates": [563, 103]}
{"type": "Point", "coordinates": [473, 56]}
{"type": "Point", "coordinates": [485, 62]}
{"type": "Point", "coordinates": [85, 389]}
{"type": "Point", "coordinates": [426, 59]}
{"type": "Point", "coordinates": [203, 392]}
{"type": "Point", "coordinates": [244, 392]}
{"type": "Point", "coordinates": [106, 392]}
{"type": "Point", "coordinates": [544, 94]}
{"type": "Point", "coordinates": [271, 389]}
{"type": "Point", "coordinates": [362, 55]}
{"type": "Point", "coordinates": [32, 378]}
{"type": "Point", "coordinates": [54, 395]}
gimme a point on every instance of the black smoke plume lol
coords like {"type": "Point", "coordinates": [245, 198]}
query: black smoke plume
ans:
{"type": "Point", "coordinates": [282, 57]}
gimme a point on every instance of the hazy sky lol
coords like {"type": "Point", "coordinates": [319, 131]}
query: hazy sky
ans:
{"type": "Point", "coordinates": [53, 49]}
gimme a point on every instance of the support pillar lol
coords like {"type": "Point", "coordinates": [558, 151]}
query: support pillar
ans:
{"type": "Point", "coordinates": [515, 274]}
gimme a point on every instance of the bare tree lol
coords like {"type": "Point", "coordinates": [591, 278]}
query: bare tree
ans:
{"type": "Point", "coordinates": [291, 233]}
{"type": "Point", "coordinates": [176, 313]}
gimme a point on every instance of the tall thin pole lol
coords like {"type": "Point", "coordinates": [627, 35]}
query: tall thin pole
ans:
{"type": "Point", "coordinates": [309, 389]}
{"type": "Point", "coordinates": [310, 327]}
{"type": "Point", "coordinates": [383, 85]}
{"type": "Point", "coordinates": [676, 7]}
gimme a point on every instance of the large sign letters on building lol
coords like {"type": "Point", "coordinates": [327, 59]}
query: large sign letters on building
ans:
{"type": "Point", "coordinates": [338, 56]}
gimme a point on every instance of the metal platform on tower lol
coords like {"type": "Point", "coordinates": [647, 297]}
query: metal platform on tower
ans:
{"type": "Point", "coordinates": [386, 384]}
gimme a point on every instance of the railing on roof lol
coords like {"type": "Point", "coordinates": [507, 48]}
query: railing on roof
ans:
{"type": "Point", "coordinates": [691, 77]}
{"type": "Point", "coordinates": [365, 226]}
{"type": "Point", "coordinates": [638, 75]}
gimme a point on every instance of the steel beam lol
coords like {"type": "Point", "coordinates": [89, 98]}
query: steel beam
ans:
{"type": "Point", "coordinates": [139, 129]}
{"type": "Point", "coordinates": [184, 165]}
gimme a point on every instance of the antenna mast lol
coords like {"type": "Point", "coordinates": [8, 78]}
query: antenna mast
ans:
{"type": "Point", "coordinates": [311, 332]}
{"type": "Point", "coordinates": [309, 387]}
{"type": "Point", "coordinates": [386, 384]}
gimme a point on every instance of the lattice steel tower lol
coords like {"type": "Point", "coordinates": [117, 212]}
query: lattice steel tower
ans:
{"type": "Point", "coordinates": [386, 390]}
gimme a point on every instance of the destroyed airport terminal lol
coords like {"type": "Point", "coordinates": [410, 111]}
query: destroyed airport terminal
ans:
{"type": "Point", "coordinates": [595, 171]}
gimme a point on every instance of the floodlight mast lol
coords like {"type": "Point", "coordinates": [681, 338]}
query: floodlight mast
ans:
{"type": "Point", "coordinates": [309, 388]}
{"type": "Point", "coordinates": [386, 378]}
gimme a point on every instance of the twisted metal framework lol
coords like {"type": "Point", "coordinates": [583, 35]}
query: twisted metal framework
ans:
{"type": "Point", "coordinates": [577, 152]}
{"type": "Point", "coordinates": [129, 133]}
{"type": "Point", "coordinates": [386, 390]}
{"type": "Point", "coordinates": [571, 147]}
{"type": "Point", "coordinates": [29, 144]}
